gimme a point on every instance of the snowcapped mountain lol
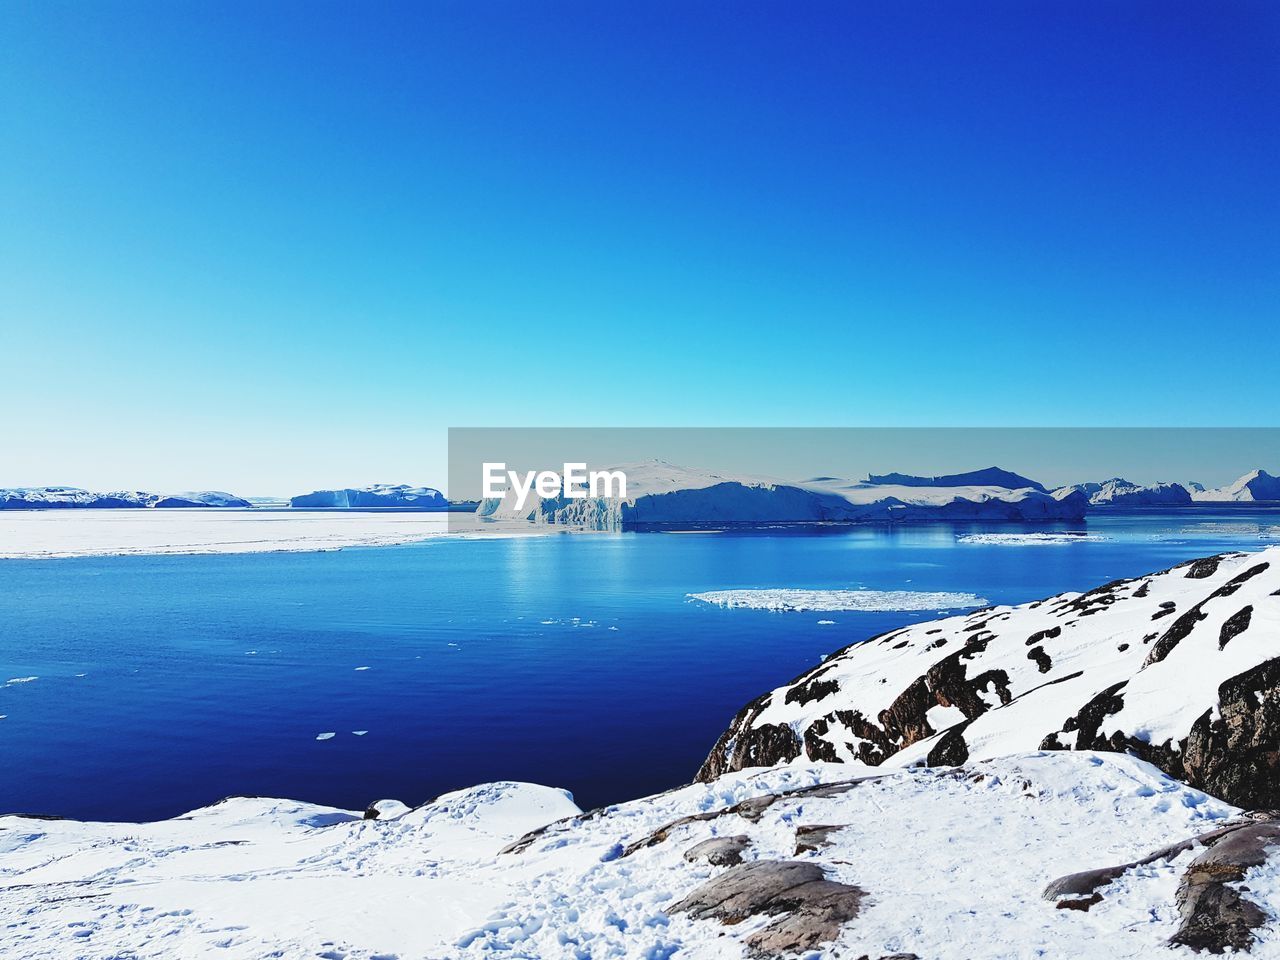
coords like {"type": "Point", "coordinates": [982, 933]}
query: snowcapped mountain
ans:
{"type": "Point", "coordinates": [1180, 667]}
{"type": "Point", "coordinates": [43, 498]}
{"type": "Point", "coordinates": [1071, 855]}
{"type": "Point", "coordinates": [663, 493]}
{"type": "Point", "coordinates": [376, 495]}
{"type": "Point", "coordinates": [1120, 492]}
{"type": "Point", "coordinates": [1256, 485]}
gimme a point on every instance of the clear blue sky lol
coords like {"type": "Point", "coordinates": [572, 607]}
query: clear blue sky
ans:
{"type": "Point", "coordinates": [265, 246]}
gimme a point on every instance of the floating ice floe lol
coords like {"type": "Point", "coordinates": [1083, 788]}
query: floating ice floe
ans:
{"type": "Point", "coordinates": [1029, 539]}
{"type": "Point", "coordinates": [358, 669]}
{"type": "Point", "coordinates": [826, 623]}
{"type": "Point", "coordinates": [13, 680]}
{"type": "Point", "coordinates": [359, 733]}
{"type": "Point", "coordinates": [325, 736]}
{"type": "Point", "coordinates": [863, 600]}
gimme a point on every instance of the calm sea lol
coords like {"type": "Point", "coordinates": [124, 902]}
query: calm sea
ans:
{"type": "Point", "coordinates": [167, 683]}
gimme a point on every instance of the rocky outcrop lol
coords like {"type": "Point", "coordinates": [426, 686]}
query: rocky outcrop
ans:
{"type": "Point", "coordinates": [810, 909]}
{"type": "Point", "coordinates": [1215, 913]}
{"type": "Point", "coordinates": [1180, 667]}
{"type": "Point", "coordinates": [719, 851]}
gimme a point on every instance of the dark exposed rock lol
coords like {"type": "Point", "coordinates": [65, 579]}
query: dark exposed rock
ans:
{"type": "Point", "coordinates": [951, 687]}
{"type": "Point", "coordinates": [746, 745]}
{"type": "Point", "coordinates": [1216, 915]}
{"type": "Point", "coordinates": [1091, 715]}
{"type": "Point", "coordinates": [1179, 631]}
{"type": "Point", "coordinates": [816, 744]}
{"type": "Point", "coordinates": [1237, 756]}
{"type": "Point", "coordinates": [719, 851]}
{"type": "Point", "coordinates": [1200, 569]}
{"type": "Point", "coordinates": [1183, 626]}
{"type": "Point", "coordinates": [1043, 661]}
{"type": "Point", "coordinates": [810, 908]}
{"type": "Point", "coordinates": [812, 689]}
{"type": "Point", "coordinates": [751, 810]}
{"type": "Point", "coordinates": [906, 720]}
{"type": "Point", "coordinates": [951, 750]}
{"type": "Point", "coordinates": [814, 836]}
{"type": "Point", "coordinates": [1040, 636]}
{"type": "Point", "coordinates": [1081, 903]}
{"type": "Point", "coordinates": [1236, 624]}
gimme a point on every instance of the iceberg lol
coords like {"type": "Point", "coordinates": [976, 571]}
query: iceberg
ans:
{"type": "Point", "coordinates": [990, 477]}
{"type": "Point", "coordinates": [1120, 492]}
{"type": "Point", "coordinates": [46, 498]}
{"type": "Point", "coordinates": [399, 495]}
{"type": "Point", "coordinates": [661, 493]}
{"type": "Point", "coordinates": [1253, 486]}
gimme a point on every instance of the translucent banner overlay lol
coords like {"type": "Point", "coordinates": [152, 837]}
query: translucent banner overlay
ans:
{"type": "Point", "coordinates": [609, 479]}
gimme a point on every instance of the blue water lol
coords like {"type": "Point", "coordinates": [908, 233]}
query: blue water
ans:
{"type": "Point", "coordinates": [210, 676]}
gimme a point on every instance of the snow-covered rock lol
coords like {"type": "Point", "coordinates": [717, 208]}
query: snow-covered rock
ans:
{"type": "Point", "coordinates": [660, 493]}
{"type": "Point", "coordinates": [1120, 492]}
{"type": "Point", "coordinates": [44, 498]}
{"type": "Point", "coordinates": [1180, 667]}
{"type": "Point", "coordinates": [378, 495]}
{"type": "Point", "coordinates": [1256, 485]}
{"type": "Point", "coordinates": [969, 863]}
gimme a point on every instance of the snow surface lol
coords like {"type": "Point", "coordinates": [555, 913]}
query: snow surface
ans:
{"type": "Point", "coordinates": [953, 863]}
{"type": "Point", "coordinates": [44, 534]}
{"type": "Point", "coordinates": [866, 600]}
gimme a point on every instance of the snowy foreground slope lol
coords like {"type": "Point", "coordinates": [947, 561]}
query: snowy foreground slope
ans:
{"type": "Point", "coordinates": [665, 493]}
{"type": "Point", "coordinates": [813, 860]}
{"type": "Point", "coordinates": [1180, 667]}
